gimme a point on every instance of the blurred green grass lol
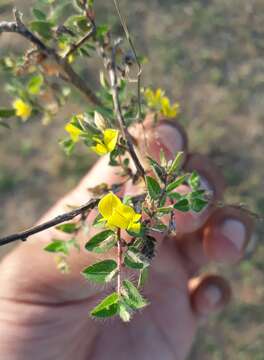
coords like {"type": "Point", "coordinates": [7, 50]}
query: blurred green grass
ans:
{"type": "Point", "coordinates": [209, 55]}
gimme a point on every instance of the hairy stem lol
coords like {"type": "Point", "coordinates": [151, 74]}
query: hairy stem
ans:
{"type": "Point", "coordinates": [119, 261]}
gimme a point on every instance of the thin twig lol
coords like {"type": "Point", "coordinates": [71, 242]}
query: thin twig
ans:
{"type": "Point", "coordinates": [51, 223]}
{"type": "Point", "coordinates": [82, 41]}
{"type": "Point", "coordinates": [129, 39]}
{"type": "Point", "coordinates": [79, 43]}
{"type": "Point", "coordinates": [119, 261]}
{"type": "Point", "coordinates": [66, 69]}
{"type": "Point", "coordinates": [82, 210]}
{"type": "Point", "coordinates": [139, 74]}
{"type": "Point", "coordinates": [111, 67]}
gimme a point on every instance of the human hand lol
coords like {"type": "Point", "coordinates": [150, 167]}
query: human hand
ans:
{"type": "Point", "coordinates": [44, 314]}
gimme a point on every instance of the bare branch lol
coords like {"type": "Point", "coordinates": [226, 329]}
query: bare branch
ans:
{"type": "Point", "coordinates": [132, 46]}
{"type": "Point", "coordinates": [112, 69]}
{"type": "Point", "coordinates": [72, 77]}
{"type": "Point", "coordinates": [51, 223]}
{"type": "Point", "coordinates": [82, 210]}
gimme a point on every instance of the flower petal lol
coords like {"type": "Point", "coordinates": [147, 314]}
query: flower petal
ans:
{"type": "Point", "coordinates": [107, 205]}
{"type": "Point", "coordinates": [99, 149]}
{"type": "Point", "coordinates": [119, 220]}
{"type": "Point", "coordinates": [73, 131]}
{"type": "Point", "coordinates": [110, 139]}
{"type": "Point", "coordinates": [137, 217]}
{"type": "Point", "coordinates": [23, 109]}
{"type": "Point", "coordinates": [127, 211]}
{"type": "Point", "coordinates": [134, 227]}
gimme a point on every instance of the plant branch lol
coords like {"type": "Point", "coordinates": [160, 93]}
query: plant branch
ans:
{"type": "Point", "coordinates": [132, 46]}
{"type": "Point", "coordinates": [66, 69]}
{"type": "Point", "coordinates": [51, 223]}
{"type": "Point", "coordinates": [82, 210]}
{"type": "Point", "coordinates": [119, 261]}
{"type": "Point", "coordinates": [82, 41]}
{"type": "Point", "coordinates": [112, 69]}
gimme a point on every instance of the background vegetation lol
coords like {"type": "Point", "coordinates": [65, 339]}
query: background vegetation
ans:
{"type": "Point", "coordinates": [209, 55]}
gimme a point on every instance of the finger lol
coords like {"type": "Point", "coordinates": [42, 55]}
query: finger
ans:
{"type": "Point", "coordinates": [212, 181]}
{"type": "Point", "coordinates": [208, 294]}
{"type": "Point", "coordinates": [227, 234]}
{"type": "Point", "coordinates": [166, 135]}
{"type": "Point", "coordinates": [223, 239]}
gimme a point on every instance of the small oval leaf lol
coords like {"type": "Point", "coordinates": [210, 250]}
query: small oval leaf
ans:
{"type": "Point", "coordinates": [107, 307]}
{"type": "Point", "coordinates": [153, 187]}
{"type": "Point", "coordinates": [101, 272]}
{"type": "Point", "coordinates": [101, 242]}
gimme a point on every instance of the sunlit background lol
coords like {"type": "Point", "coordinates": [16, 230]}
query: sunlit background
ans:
{"type": "Point", "coordinates": [208, 55]}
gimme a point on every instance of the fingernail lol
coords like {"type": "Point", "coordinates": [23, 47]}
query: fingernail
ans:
{"type": "Point", "coordinates": [213, 295]}
{"type": "Point", "coordinates": [235, 231]}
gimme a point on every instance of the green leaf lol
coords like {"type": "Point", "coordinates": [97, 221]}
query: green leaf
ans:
{"type": "Point", "coordinates": [153, 187]}
{"type": "Point", "coordinates": [197, 194]}
{"type": "Point", "coordinates": [194, 180]}
{"type": "Point", "coordinates": [34, 84]}
{"type": "Point", "coordinates": [68, 228]}
{"type": "Point", "coordinates": [101, 272]}
{"type": "Point", "coordinates": [43, 28]}
{"type": "Point", "coordinates": [57, 246]}
{"type": "Point", "coordinates": [198, 204]}
{"type": "Point", "coordinates": [124, 312]}
{"type": "Point", "coordinates": [68, 146]}
{"type": "Point", "coordinates": [158, 170]}
{"type": "Point", "coordinates": [107, 307]}
{"type": "Point", "coordinates": [132, 296]}
{"type": "Point", "coordinates": [7, 113]}
{"type": "Point", "coordinates": [176, 164]}
{"type": "Point", "coordinates": [101, 242]}
{"type": "Point", "coordinates": [39, 15]}
{"type": "Point", "coordinates": [175, 196]}
{"type": "Point", "coordinates": [182, 205]}
{"type": "Point", "coordinates": [179, 181]}
{"type": "Point", "coordinates": [165, 210]}
{"type": "Point", "coordinates": [143, 276]}
{"type": "Point", "coordinates": [99, 221]}
{"type": "Point", "coordinates": [134, 259]}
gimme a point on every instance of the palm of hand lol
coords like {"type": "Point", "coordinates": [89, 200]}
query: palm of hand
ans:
{"type": "Point", "coordinates": [164, 329]}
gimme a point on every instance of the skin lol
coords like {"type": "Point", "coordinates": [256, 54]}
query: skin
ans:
{"type": "Point", "coordinates": [44, 314]}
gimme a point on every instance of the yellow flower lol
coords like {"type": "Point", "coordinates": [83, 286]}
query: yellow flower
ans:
{"type": "Point", "coordinates": [116, 214]}
{"type": "Point", "coordinates": [154, 98]}
{"type": "Point", "coordinates": [74, 131]}
{"type": "Point", "coordinates": [158, 101]}
{"type": "Point", "coordinates": [167, 109]}
{"type": "Point", "coordinates": [107, 144]}
{"type": "Point", "coordinates": [23, 109]}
